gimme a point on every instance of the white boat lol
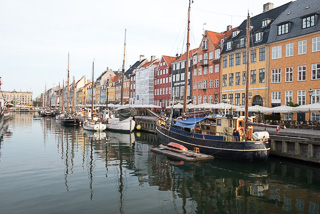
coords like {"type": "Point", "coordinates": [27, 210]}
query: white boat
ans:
{"type": "Point", "coordinates": [93, 126]}
{"type": "Point", "coordinates": [115, 124]}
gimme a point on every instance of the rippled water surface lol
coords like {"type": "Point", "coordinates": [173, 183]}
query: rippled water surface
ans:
{"type": "Point", "coordinates": [48, 168]}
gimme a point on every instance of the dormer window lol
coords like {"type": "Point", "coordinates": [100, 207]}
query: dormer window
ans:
{"type": "Point", "coordinates": [235, 33]}
{"type": "Point", "coordinates": [309, 21]}
{"type": "Point", "coordinates": [259, 37]}
{"type": "Point", "coordinates": [265, 22]}
{"type": "Point", "coordinates": [205, 44]}
{"type": "Point", "coordinates": [283, 29]}
{"type": "Point", "coordinates": [228, 45]}
{"type": "Point", "coordinates": [241, 42]}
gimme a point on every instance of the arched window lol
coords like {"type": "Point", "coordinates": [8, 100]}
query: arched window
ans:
{"type": "Point", "coordinates": [257, 100]}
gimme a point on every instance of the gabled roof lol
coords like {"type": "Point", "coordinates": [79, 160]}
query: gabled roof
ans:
{"type": "Point", "coordinates": [153, 62]}
{"type": "Point", "coordinates": [294, 14]}
{"type": "Point", "coordinates": [133, 67]}
{"type": "Point", "coordinates": [184, 56]}
{"type": "Point", "coordinates": [168, 59]}
{"type": "Point", "coordinates": [215, 37]}
{"type": "Point", "coordinates": [256, 26]}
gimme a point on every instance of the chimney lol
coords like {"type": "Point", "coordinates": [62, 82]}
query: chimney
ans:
{"type": "Point", "coordinates": [142, 57]}
{"type": "Point", "coordinates": [229, 27]}
{"type": "Point", "coordinates": [153, 58]}
{"type": "Point", "coordinates": [268, 6]}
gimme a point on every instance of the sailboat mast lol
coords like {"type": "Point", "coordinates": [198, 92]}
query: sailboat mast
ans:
{"type": "Point", "coordinates": [247, 73]}
{"type": "Point", "coordinates": [92, 90]}
{"type": "Point", "coordinates": [73, 91]}
{"type": "Point", "coordinates": [59, 98]}
{"type": "Point", "coordinates": [123, 65]}
{"type": "Point", "coordinates": [68, 86]}
{"type": "Point", "coordinates": [62, 95]}
{"type": "Point", "coordinates": [187, 64]}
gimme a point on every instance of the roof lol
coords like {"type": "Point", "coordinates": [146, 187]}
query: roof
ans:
{"type": "Point", "coordinates": [256, 26]}
{"type": "Point", "coordinates": [153, 62]}
{"type": "Point", "coordinates": [184, 56]}
{"type": "Point", "coordinates": [293, 14]}
{"type": "Point", "coordinates": [215, 37]}
{"type": "Point", "coordinates": [190, 122]}
{"type": "Point", "coordinates": [133, 67]}
{"type": "Point", "coordinates": [168, 59]}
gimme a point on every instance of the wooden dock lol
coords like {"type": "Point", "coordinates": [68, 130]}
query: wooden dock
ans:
{"type": "Point", "coordinates": [181, 155]}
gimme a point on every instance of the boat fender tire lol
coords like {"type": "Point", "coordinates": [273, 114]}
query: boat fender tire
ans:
{"type": "Point", "coordinates": [241, 131]}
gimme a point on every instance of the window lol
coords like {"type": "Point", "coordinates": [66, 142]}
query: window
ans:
{"type": "Point", "coordinates": [289, 74]}
{"type": "Point", "coordinates": [210, 69]}
{"type": "Point", "coordinates": [301, 97]}
{"type": "Point", "coordinates": [316, 44]}
{"type": "Point", "coordinates": [204, 99]}
{"type": "Point", "coordinates": [210, 99]}
{"type": "Point", "coordinates": [194, 85]}
{"type": "Point", "coordinates": [200, 58]}
{"type": "Point", "coordinates": [224, 80]}
{"type": "Point", "coordinates": [288, 97]}
{"type": "Point", "coordinates": [275, 97]}
{"type": "Point", "coordinates": [199, 99]}
{"type": "Point", "coordinates": [217, 54]}
{"type": "Point", "coordinates": [205, 70]}
{"type": "Point", "coordinates": [183, 65]}
{"type": "Point", "coordinates": [173, 78]}
{"type": "Point", "coordinates": [261, 75]}
{"type": "Point", "coordinates": [195, 59]}
{"type": "Point", "coordinates": [265, 22]}
{"type": "Point", "coordinates": [276, 52]}
{"type": "Point", "coordinates": [200, 71]}
{"type": "Point", "coordinates": [259, 37]}
{"type": "Point", "coordinates": [253, 76]}
{"type": "Point", "coordinates": [238, 78]}
{"type": "Point", "coordinates": [308, 21]}
{"type": "Point", "coordinates": [243, 98]}
{"type": "Point", "coordinates": [178, 66]}
{"type": "Point", "coordinates": [253, 55]}
{"type": "Point", "coordinates": [210, 83]}
{"type": "Point", "coordinates": [210, 55]}
{"type": "Point", "coordinates": [315, 72]}
{"type": "Point", "coordinates": [231, 99]}
{"type": "Point", "coordinates": [195, 72]}
{"type": "Point", "coordinates": [182, 77]}
{"type": "Point", "coordinates": [302, 47]}
{"type": "Point", "coordinates": [262, 54]}
{"type": "Point", "coordinates": [231, 60]}
{"type": "Point", "coordinates": [302, 72]}
{"type": "Point", "coordinates": [216, 68]}
{"type": "Point", "coordinates": [177, 77]}
{"type": "Point", "coordinates": [237, 99]}
{"type": "Point", "coordinates": [231, 79]}
{"type": "Point", "coordinates": [234, 33]}
{"type": "Point", "coordinates": [283, 29]}
{"type": "Point", "coordinates": [244, 78]}
{"type": "Point", "coordinates": [225, 62]}
{"type": "Point", "coordinates": [216, 83]}
{"type": "Point", "coordinates": [241, 43]}
{"type": "Point", "coordinates": [316, 96]}
{"type": "Point", "coordinates": [276, 75]}
{"type": "Point", "coordinates": [244, 57]}
{"type": "Point", "coordinates": [228, 45]}
{"type": "Point", "coordinates": [289, 49]}
{"type": "Point", "coordinates": [205, 44]}
{"type": "Point", "coordinates": [238, 58]}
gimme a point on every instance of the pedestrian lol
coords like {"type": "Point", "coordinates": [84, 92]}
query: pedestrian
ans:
{"type": "Point", "coordinates": [236, 135]}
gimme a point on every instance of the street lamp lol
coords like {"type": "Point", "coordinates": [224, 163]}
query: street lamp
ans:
{"type": "Point", "coordinates": [310, 94]}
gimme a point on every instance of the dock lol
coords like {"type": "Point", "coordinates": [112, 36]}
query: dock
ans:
{"type": "Point", "coordinates": [181, 155]}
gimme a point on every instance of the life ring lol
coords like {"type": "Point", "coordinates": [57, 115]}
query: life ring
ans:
{"type": "Point", "coordinates": [241, 131]}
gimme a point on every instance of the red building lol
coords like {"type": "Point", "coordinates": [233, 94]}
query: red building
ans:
{"type": "Point", "coordinates": [162, 82]}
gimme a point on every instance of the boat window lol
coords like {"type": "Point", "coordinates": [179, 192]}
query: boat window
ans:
{"type": "Point", "coordinates": [219, 122]}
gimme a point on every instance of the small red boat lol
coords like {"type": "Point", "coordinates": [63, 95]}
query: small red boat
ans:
{"type": "Point", "coordinates": [177, 146]}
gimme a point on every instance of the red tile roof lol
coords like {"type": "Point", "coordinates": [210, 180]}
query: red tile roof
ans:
{"type": "Point", "coordinates": [168, 59]}
{"type": "Point", "coordinates": [184, 56]}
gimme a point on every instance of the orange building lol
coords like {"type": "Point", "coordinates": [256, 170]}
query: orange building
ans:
{"type": "Point", "coordinates": [295, 57]}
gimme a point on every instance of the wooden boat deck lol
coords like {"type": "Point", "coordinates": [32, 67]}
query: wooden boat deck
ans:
{"type": "Point", "coordinates": [181, 155]}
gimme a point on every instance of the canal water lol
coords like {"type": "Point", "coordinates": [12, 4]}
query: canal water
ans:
{"type": "Point", "coordinates": [48, 168]}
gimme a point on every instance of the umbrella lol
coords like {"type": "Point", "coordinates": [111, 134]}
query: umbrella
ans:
{"type": "Point", "coordinates": [307, 108]}
{"type": "Point", "coordinates": [256, 108]}
{"type": "Point", "coordinates": [224, 106]}
{"type": "Point", "coordinates": [281, 109]}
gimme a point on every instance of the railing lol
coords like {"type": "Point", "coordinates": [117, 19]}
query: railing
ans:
{"type": "Point", "coordinates": [296, 124]}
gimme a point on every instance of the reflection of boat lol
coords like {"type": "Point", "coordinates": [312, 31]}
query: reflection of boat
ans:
{"type": "Point", "coordinates": [121, 138]}
{"type": "Point", "coordinates": [217, 136]}
{"type": "Point", "coordinates": [95, 135]}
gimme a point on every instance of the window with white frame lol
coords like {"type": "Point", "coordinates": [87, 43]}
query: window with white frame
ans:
{"type": "Point", "coordinates": [216, 68]}
{"type": "Point", "coordinates": [189, 75]}
{"type": "Point", "coordinates": [301, 97]}
{"type": "Point", "coordinates": [216, 83]}
{"type": "Point", "coordinates": [238, 58]}
{"type": "Point", "coordinates": [262, 75]}
{"type": "Point", "coordinates": [259, 37]}
{"type": "Point", "coordinates": [195, 59]}
{"type": "Point", "coordinates": [238, 78]}
{"type": "Point", "coordinates": [205, 70]}
{"type": "Point", "coordinates": [289, 74]}
{"type": "Point", "coordinates": [199, 99]}
{"type": "Point", "coordinates": [182, 91]}
{"type": "Point", "coordinates": [210, 99]}
{"type": "Point", "coordinates": [204, 99]}
{"type": "Point", "coordinates": [316, 44]}
{"type": "Point", "coordinates": [289, 49]}
{"type": "Point", "coordinates": [309, 21]}
{"type": "Point", "coordinates": [204, 44]}
{"type": "Point", "coordinates": [241, 43]}
{"type": "Point", "coordinates": [230, 99]}
{"type": "Point", "coordinates": [276, 52]}
{"type": "Point", "coordinates": [225, 62]}
{"type": "Point", "coordinates": [195, 72]}
{"type": "Point", "coordinates": [169, 79]}
{"type": "Point", "coordinates": [183, 65]}
{"type": "Point", "coordinates": [302, 47]}
{"type": "Point", "coordinates": [276, 75]}
{"type": "Point", "coordinates": [174, 78]}
{"type": "Point", "coordinates": [177, 77]}
{"type": "Point", "coordinates": [237, 99]}
{"type": "Point", "coordinates": [315, 72]}
{"type": "Point", "coordinates": [167, 90]}
{"type": "Point", "coordinates": [316, 96]}
{"type": "Point", "coordinates": [178, 66]}
{"type": "Point", "coordinates": [210, 83]}
{"type": "Point", "coordinates": [170, 90]}
{"type": "Point", "coordinates": [200, 71]}
{"type": "Point", "coordinates": [276, 96]}
{"type": "Point", "coordinates": [288, 97]}
{"type": "Point", "coordinates": [160, 81]}
{"type": "Point", "coordinates": [228, 45]}
{"type": "Point", "coordinates": [302, 72]}
{"type": "Point", "coordinates": [200, 58]}
{"type": "Point", "coordinates": [173, 67]}
{"type": "Point", "coordinates": [253, 77]}
{"type": "Point", "coordinates": [194, 85]}
{"type": "Point", "coordinates": [210, 69]}
{"type": "Point", "coordinates": [217, 54]}
{"type": "Point", "coordinates": [265, 22]}
{"type": "Point", "coordinates": [182, 76]}
{"type": "Point", "coordinates": [194, 99]}
{"type": "Point", "coordinates": [210, 55]}
{"type": "Point", "coordinates": [283, 29]}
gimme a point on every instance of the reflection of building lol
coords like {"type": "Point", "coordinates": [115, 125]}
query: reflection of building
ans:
{"type": "Point", "coordinates": [18, 98]}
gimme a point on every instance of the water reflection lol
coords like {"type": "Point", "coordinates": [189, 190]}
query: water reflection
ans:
{"type": "Point", "coordinates": [119, 170]}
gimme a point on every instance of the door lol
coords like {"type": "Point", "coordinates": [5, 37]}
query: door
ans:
{"type": "Point", "coordinates": [301, 117]}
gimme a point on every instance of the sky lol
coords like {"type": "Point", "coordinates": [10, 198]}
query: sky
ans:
{"type": "Point", "coordinates": [37, 35]}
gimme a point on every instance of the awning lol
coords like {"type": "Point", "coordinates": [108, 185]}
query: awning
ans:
{"type": "Point", "coordinates": [189, 123]}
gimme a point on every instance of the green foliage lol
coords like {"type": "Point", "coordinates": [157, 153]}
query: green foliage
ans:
{"type": "Point", "coordinates": [292, 104]}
